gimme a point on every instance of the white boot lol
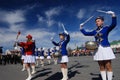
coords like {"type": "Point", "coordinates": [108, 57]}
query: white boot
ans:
{"type": "Point", "coordinates": [33, 70]}
{"type": "Point", "coordinates": [66, 73]}
{"type": "Point", "coordinates": [49, 61]}
{"type": "Point", "coordinates": [29, 74]}
{"type": "Point", "coordinates": [37, 63]}
{"type": "Point", "coordinates": [103, 75]}
{"type": "Point", "coordinates": [63, 73]}
{"type": "Point", "coordinates": [55, 62]}
{"type": "Point", "coordinates": [42, 63]}
{"type": "Point", "coordinates": [109, 75]}
{"type": "Point", "coordinates": [23, 67]}
{"type": "Point", "coordinates": [29, 78]}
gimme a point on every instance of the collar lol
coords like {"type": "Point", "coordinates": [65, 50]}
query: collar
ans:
{"type": "Point", "coordinates": [99, 28]}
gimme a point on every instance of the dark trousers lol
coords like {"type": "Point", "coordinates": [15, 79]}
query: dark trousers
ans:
{"type": "Point", "coordinates": [3, 60]}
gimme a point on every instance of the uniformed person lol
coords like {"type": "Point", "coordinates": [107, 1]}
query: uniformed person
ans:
{"type": "Point", "coordinates": [104, 54]}
{"type": "Point", "coordinates": [64, 39]}
{"type": "Point", "coordinates": [22, 57]}
{"type": "Point", "coordinates": [49, 56]}
{"type": "Point", "coordinates": [41, 53]}
{"type": "Point", "coordinates": [37, 57]}
{"type": "Point", "coordinates": [29, 60]}
{"type": "Point", "coordinates": [54, 51]}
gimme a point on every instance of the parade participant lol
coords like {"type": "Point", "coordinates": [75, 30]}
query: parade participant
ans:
{"type": "Point", "coordinates": [64, 39]}
{"type": "Point", "coordinates": [0, 56]}
{"type": "Point", "coordinates": [49, 56]}
{"type": "Point", "coordinates": [41, 53]}
{"type": "Point", "coordinates": [29, 60]}
{"type": "Point", "coordinates": [37, 56]}
{"type": "Point", "coordinates": [3, 57]}
{"type": "Point", "coordinates": [34, 47]}
{"type": "Point", "coordinates": [22, 57]}
{"type": "Point", "coordinates": [8, 53]}
{"type": "Point", "coordinates": [104, 54]}
{"type": "Point", "coordinates": [53, 53]}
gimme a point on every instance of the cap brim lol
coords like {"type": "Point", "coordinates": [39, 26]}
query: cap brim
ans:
{"type": "Point", "coordinates": [61, 35]}
{"type": "Point", "coordinates": [28, 37]}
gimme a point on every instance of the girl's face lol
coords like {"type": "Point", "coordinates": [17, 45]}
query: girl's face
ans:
{"type": "Point", "coordinates": [99, 22]}
{"type": "Point", "coordinates": [28, 39]}
{"type": "Point", "coordinates": [62, 37]}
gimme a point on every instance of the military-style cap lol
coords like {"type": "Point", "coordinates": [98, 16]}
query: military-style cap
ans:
{"type": "Point", "coordinates": [63, 34]}
{"type": "Point", "coordinates": [29, 36]}
{"type": "Point", "coordinates": [100, 17]}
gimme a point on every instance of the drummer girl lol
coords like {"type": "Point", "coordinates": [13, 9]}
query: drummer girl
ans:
{"type": "Point", "coordinates": [54, 52]}
{"type": "Point", "coordinates": [104, 54]}
{"type": "Point", "coordinates": [64, 39]}
{"type": "Point", "coordinates": [49, 55]}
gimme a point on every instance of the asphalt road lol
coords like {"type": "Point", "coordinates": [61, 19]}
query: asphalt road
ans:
{"type": "Point", "coordinates": [80, 68]}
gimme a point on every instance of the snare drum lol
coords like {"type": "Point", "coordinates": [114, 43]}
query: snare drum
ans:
{"type": "Point", "coordinates": [57, 55]}
{"type": "Point", "coordinates": [91, 45]}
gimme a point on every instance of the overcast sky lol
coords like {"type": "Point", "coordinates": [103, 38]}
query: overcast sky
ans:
{"type": "Point", "coordinates": [42, 19]}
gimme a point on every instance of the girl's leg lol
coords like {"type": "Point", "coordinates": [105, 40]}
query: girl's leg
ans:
{"type": "Point", "coordinates": [102, 69]}
{"type": "Point", "coordinates": [55, 61]}
{"type": "Point", "coordinates": [23, 69]}
{"type": "Point", "coordinates": [49, 61]}
{"type": "Point", "coordinates": [64, 70]}
{"type": "Point", "coordinates": [37, 62]}
{"type": "Point", "coordinates": [28, 70]}
{"type": "Point", "coordinates": [33, 68]}
{"type": "Point", "coordinates": [109, 69]}
{"type": "Point", "coordinates": [42, 62]}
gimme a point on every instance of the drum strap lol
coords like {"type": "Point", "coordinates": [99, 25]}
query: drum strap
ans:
{"type": "Point", "coordinates": [60, 43]}
{"type": "Point", "coordinates": [98, 31]}
{"type": "Point", "coordinates": [99, 37]}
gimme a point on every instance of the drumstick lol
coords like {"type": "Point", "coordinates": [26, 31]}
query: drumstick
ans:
{"type": "Point", "coordinates": [101, 11]}
{"type": "Point", "coordinates": [18, 34]}
{"type": "Point", "coordinates": [88, 19]}
{"type": "Point", "coordinates": [63, 27]}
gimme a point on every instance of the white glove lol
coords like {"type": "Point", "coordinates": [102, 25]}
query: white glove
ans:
{"type": "Point", "coordinates": [33, 39]}
{"type": "Point", "coordinates": [111, 13]}
{"type": "Point", "coordinates": [66, 32]}
{"type": "Point", "coordinates": [81, 25]}
{"type": "Point", "coordinates": [51, 38]}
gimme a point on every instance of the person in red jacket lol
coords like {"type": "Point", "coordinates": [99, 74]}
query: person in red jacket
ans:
{"type": "Point", "coordinates": [29, 47]}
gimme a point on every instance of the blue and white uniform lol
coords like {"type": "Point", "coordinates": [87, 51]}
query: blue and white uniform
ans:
{"type": "Point", "coordinates": [54, 51]}
{"type": "Point", "coordinates": [104, 51]}
{"type": "Point", "coordinates": [62, 45]}
{"type": "Point", "coordinates": [48, 54]}
{"type": "Point", "coordinates": [41, 53]}
{"type": "Point", "coordinates": [36, 53]}
{"type": "Point", "coordinates": [22, 53]}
